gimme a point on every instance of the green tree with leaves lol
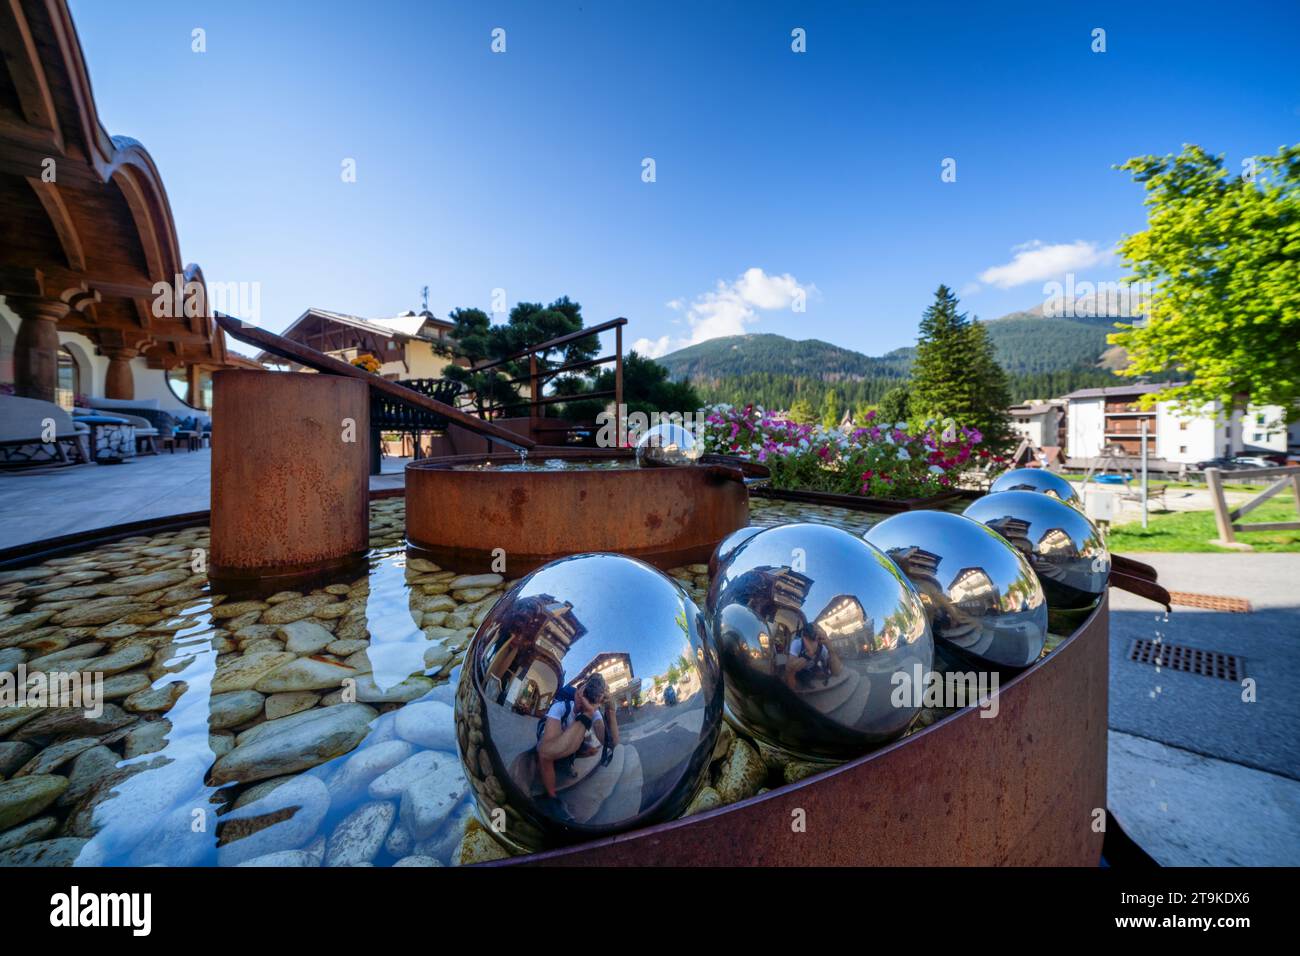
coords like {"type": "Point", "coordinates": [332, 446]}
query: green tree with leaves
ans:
{"type": "Point", "coordinates": [831, 410]}
{"type": "Point", "coordinates": [1222, 253]}
{"type": "Point", "coordinates": [896, 404]}
{"type": "Point", "coordinates": [956, 373]}
{"type": "Point", "coordinates": [801, 411]}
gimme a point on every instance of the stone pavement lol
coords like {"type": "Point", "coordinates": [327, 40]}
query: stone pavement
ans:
{"type": "Point", "coordinates": [37, 503]}
{"type": "Point", "coordinates": [1197, 775]}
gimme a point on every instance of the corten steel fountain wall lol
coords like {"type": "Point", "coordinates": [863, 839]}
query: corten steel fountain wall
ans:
{"type": "Point", "coordinates": [667, 516]}
{"type": "Point", "coordinates": [1024, 788]}
{"type": "Point", "coordinates": [289, 490]}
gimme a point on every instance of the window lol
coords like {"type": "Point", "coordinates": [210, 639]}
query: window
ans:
{"type": "Point", "coordinates": [1182, 426]}
{"type": "Point", "coordinates": [69, 382]}
{"type": "Point", "coordinates": [1182, 449]}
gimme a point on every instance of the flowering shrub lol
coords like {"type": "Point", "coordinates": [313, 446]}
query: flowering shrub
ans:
{"type": "Point", "coordinates": [367, 362]}
{"type": "Point", "coordinates": [879, 459]}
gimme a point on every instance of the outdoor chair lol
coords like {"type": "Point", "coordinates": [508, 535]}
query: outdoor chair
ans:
{"type": "Point", "coordinates": [23, 428]}
{"type": "Point", "coordinates": [146, 434]}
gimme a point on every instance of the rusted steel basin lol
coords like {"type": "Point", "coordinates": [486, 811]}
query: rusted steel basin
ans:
{"type": "Point", "coordinates": [666, 516]}
{"type": "Point", "coordinates": [1024, 788]}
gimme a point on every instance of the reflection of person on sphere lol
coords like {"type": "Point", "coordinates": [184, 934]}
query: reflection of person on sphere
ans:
{"type": "Point", "coordinates": [811, 659]}
{"type": "Point", "coordinates": [572, 717]}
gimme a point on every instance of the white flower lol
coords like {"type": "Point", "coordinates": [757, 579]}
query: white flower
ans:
{"type": "Point", "coordinates": [903, 455]}
{"type": "Point", "coordinates": [936, 470]}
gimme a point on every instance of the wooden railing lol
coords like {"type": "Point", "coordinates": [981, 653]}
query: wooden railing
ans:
{"type": "Point", "coordinates": [537, 378]}
{"type": "Point", "coordinates": [1228, 520]}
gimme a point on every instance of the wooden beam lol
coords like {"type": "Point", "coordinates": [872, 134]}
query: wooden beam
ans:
{"type": "Point", "coordinates": [52, 201]}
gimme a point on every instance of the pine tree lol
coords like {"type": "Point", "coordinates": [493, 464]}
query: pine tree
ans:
{"type": "Point", "coordinates": [956, 372]}
{"type": "Point", "coordinates": [801, 411]}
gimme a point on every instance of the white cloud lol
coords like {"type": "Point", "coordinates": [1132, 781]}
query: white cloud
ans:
{"type": "Point", "coordinates": [1036, 262]}
{"type": "Point", "coordinates": [652, 348]}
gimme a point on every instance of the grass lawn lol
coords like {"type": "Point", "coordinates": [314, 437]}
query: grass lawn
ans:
{"type": "Point", "coordinates": [1194, 530]}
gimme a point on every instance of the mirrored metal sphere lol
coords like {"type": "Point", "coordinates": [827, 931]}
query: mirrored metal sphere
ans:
{"type": "Point", "coordinates": [727, 547]}
{"type": "Point", "coordinates": [1063, 546]}
{"type": "Point", "coordinates": [599, 638]}
{"type": "Point", "coordinates": [1040, 480]}
{"type": "Point", "coordinates": [813, 624]}
{"type": "Point", "coordinates": [980, 593]}
{"type": "Point", "coordinates": [668, 444]}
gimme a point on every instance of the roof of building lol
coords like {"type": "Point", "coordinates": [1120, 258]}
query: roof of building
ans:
{"type": "Point", "coordinates": [1030, 409]}
{"type": "Point", "coordinates": [1116, 390]}
{"type": "Point", "coordinates": [408, 324]}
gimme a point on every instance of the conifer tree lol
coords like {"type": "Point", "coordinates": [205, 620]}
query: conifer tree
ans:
{"type": "Point", "coordinates": [956, 373]}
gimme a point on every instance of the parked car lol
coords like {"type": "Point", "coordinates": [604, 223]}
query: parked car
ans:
{"type": "Point", "coordinates": [1224, 464]}
{"type": "Point", "coordinates": [1253, 461]}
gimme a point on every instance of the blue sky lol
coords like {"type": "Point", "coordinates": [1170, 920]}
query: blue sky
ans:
{"type": "Point", "coordinates": [778, 175]}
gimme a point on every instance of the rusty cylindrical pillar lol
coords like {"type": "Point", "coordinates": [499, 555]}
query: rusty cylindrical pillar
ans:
{"type": "Point", "coordinates": [289, 475]}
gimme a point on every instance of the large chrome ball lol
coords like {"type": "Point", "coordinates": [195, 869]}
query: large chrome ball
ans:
{"type": "Point", "coordinates": [727, 547]}
{"type": "Point", "coordinates": [1040, 480]}
{"type": "Point", "coordinates": [1063, 546]}
{"type": "Point", "coordinates": [668, 444]}
{"type": "Point", "coordinates": [814, 626]}
{"type": "Point", "coordinates": [598, 637]}
{"type": "Point", "coordinates": [980, 593]}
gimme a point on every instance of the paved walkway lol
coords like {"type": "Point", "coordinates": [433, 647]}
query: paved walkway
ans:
{"type": "Point", "coordinates": [1198, 775]}
{"type": "Point", "coordinates": [47, 502]}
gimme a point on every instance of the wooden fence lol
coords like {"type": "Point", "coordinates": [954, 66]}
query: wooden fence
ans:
{"type": "Point", "coordinates": [1229, 520]}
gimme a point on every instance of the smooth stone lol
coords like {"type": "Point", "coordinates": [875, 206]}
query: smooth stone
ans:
{"type": "Point", "coordinates": [442, 845]}
{"type": "Point", "coordinates": [289, 703]}
{"type": "Point", "coordinates": [471, 595]}
{"type": "Point", "coordinates": [279, 597]}
{"type": "Point", "coordinates": [422, 565]}
{"type": "Point", "coordinates": [242, 673]}
{"type": "Point", "coordinates": [306, 673]}
{"type": "Point", "coordinates": [283, 858]}
{"type": "Point", "coordinates": [296, 609]}
{"type": "Point", "coordinates": [62, 851]}
{"type": "Point", "coordinates": [235, 609]}
{"type": "Point", "coordinates": [67, 721]}
{"type": "Point", "coordinates": [76, 653]}
{"type": "Point", "coordinates": [427, 801]}
{"type": "Point", "coordinates": [221, 743]}
{"type": "Point", "coordinates": [418, 861]}
{"type": "Point", "coordinates": [13, 628]}
{"type": "Point", "coordinates": [328, 733]}
{"type": "Point", "coordinates": [118, 661]}
{"type": "Point", "coordinates": [56, 755]}
{"type": "Point", "coordinates": [400, 842]}
{"type": "Point", "coordinates": [413, 688]}
{"type": "Point", "coordinates": [148, 738]}
{"type": "Point", "coordinates": [346, 648]}
{"type": "Point", "coordinates": [101, 612]}
{"type": "Point", "coordinates": [741, 773]}
{"type": "Point", "coordinates": [283, 817]}
{"type": "Point", "coordinates": [13, 755]}
{"type": "Point", "coordinates": [113, 632]}
{"type": "Point", "coordinates": [358, 838]}
{"type": "Point", "coordinates": [25, 797]}
{"type": "Point", "coordinates": [10, 658]}
{"type": "Point", "coordinates": [156, 698]}
{"type": "Point", "coordinates": [304, 637]}
{"type": "Point", "coordinates": [393, 783]}
{"type": "Point", "coordinates": [266, 645]}
{"type": "Point", "coordinates": [478, 846]}
{"type": "Point", "coordinates": [126, 685]}
{"type": "Point", "coordinates": [359, 770]}
{"type": "Point", "coordinates": [140, 583]}
{"type": "Point", "coordinates": [28, 832]}
{"type": "Point", "coordinates": [330, 612]}
{"type": "Point", "coordinates": [233, 708]}
{"type": "Point", "coordinates": [428, 724]}
{"type": "Point", "coordinates": [433, 602]}
{"type": "Point", "coordinates": [475, 581]}
{"type": "Point", "coordinates": [706, 799]}
{"type": "Point", "coordinates": [11, 718]}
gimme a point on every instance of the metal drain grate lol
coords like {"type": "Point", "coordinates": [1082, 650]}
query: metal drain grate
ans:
{"type": "Point", "coordinates": [1190, 660]}
{"type": "Point", "coordinates": [1212, 602]}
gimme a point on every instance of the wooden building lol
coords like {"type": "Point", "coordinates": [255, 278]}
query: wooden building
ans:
{"type": "Point", "coordinates": [95, 298]}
